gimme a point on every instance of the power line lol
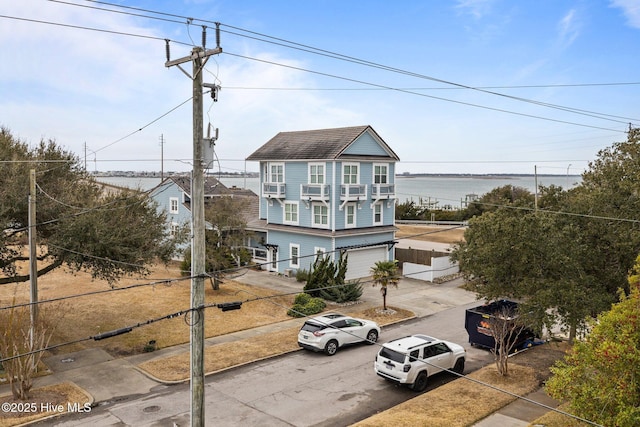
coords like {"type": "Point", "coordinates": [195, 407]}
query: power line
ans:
{"type": "Point", "coordinates": [318, 51]}
{"type": "Point", "coordinates": [422, 94]}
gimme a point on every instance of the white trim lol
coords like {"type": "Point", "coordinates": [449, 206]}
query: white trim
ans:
{"type": "Point", "coordinates": [354, 206]}
{"type": "Point", "coordinates": [323, 175]}
{"type": "Point", "coordinates": [172, 209]}
{"type": "Point", "coordinates": [378, 205]}
{"type": "Point", "coordinates": [270, 172]}
{"type": "Point", "coordinates": [297, 213]}
{"type": "Point", "coordinates": [342, 175]}
{"type": "Point", "coordinates": [373, 169]}
{"type": "Point", "coordinates": [313, 215]}
{"type": "Point", "coordinates": [293, 246]}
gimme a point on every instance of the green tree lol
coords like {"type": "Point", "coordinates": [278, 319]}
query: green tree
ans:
{"type": "Point", "coordinates": [409, 210]}
{"type": "Point", "coordinates": [601, 376]}
{"type": "Point", "coordinates": [78, 225]}
{"type": "Point", "coordinates": [385, 274]}
{"type": "Point", "coordinates": [225, 241]}
{"type": "Point", "coordinates": [499, 197]}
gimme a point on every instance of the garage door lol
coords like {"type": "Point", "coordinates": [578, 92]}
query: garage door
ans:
{"type": "Point", "coordinates": [361, 260]}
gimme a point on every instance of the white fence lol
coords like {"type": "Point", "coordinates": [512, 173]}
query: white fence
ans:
{"type": "Point", "coordinates": [440, 266]}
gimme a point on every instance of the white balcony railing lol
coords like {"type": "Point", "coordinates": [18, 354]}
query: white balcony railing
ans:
{"type": "Point", "coordinates": [274, 189]}
{"type": "Point", "coordinates": [315, 192]}
{"type": "Point", "coordinates": [383, 191]}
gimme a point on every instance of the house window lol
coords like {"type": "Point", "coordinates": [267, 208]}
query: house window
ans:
{"type": "Point", "coordinates": [350, 215]}
{"type": "Point", "coordinates": [276, 172]}
{"type": "Point", "coordinates": [320, 215]}
{"type": "Point", "coordinates": [350, 174]}
{"type": "Point", "coordinates": [316, 173]}
{"type": "Point", "coordinates": [173, 205]}
{"type": "Point", "coordinates": [291, 213]}
{"type": "Point", "coordinates": [380, 175]}
{"type": "Point", "coordinates": [294, 255]}
{"type": "Point", "coordinates": [377, 214]}
{"type": "Point", "coordinates": [174, 229]}
{"type": "Point", "coordinates": [320, 252]}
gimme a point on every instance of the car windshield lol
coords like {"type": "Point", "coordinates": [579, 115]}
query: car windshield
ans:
{"type": "Point", "coordinates": [312, 327]}
{"type": "Point", "coordinates": [392, 354]}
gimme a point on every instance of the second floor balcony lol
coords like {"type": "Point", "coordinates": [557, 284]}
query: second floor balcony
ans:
{"type": "Point", "coordinates": [351, 192]}
{"type": "Point", "coordinates": [275, 190]}
{"type": "Point", "coordinates": [383, 191]}
{"type": "Point", "coordinates": [315, 192]}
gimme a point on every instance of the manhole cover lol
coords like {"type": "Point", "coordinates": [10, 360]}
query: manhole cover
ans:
{"type": "Point", "coordinates": [152, 408]}
{"type": "Point", "coordinates": [68, 360]}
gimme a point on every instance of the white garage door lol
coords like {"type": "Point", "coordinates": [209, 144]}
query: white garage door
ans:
{"type": "Point", "coordinates": [360, 261]}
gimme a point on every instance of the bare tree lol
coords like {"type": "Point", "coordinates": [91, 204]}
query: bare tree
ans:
{"type": "Point", "coordinates": [19, 351]}
{"type": "Point", "coordinates": [505, 325]}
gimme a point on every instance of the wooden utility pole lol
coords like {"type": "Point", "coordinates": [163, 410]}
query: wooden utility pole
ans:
{"type": "Point", "coordinates": [198, 57]}
{"type": "Point", "coordinates": [33, 266]}
{"type": "Point", "coordinates": [161, 157]}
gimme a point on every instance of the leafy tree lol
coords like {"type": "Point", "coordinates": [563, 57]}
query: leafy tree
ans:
{"type": "Point", "coordinates": [535, 257]}
{"type": "Point", "coordinates": [409, 210]}
{"type": "Point", "coordinates": [385, 274]}
{"type": "Point", "coordinates": [601, 376]}
{"type": "Point", "coordinates": [507, 195]}
{"type": "Point", "coordinates": [225, 240]}
{"type": "Point", "coordinates": [78, 225]}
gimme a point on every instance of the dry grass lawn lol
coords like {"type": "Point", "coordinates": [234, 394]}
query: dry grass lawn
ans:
{"type": "Point", "coordinates": [439, 234]}
{"type": "Point", "coordinates": [86, 316]}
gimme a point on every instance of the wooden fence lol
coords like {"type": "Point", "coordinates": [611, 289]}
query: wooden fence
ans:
{"type": "Point", "coordinates": [417, 256]}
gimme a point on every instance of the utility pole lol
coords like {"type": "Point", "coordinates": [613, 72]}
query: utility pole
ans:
{"type": "Point", "coordinates": [33, 267]}
{"type": "Point", "coordinates": [198, 57]}
{"type": "Point", "coordinates": [161, 157]}
{"type": "Point", "coordinates": [535, 173]}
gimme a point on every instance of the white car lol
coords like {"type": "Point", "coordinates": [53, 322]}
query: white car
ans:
{"type": "Point", "coordinates": [331, 331]}
{"type": "Point", "coordinates": [412, 360]}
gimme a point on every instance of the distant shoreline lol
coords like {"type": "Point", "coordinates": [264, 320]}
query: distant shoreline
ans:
{"type": "Point", "coordinates": [134, 174]}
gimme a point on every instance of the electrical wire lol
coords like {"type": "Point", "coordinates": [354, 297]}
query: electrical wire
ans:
{"type": "Point", "coordinates": [501, 110]}
{"type": "Point", "coordinates": [334, 55]}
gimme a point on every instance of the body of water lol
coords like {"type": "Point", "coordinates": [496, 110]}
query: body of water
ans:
{"type": "Point", "coordinates": [441, 191]}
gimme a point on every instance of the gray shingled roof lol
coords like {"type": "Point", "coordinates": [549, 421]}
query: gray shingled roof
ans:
{"type": "Point", "coordinates": [212, 187]}
{"type": "Point", "coordinates": [319, 144]}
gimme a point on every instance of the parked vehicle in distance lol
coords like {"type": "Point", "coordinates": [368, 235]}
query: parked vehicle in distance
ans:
{"type": "Point", "coordinates": [333, 330]}
{"type": "Point", "coordinates": [412, 360]}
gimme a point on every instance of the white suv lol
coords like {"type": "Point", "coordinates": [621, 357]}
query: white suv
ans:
{"type": "Point", "coordinates": [329, 332]}
{"type": "Point", "coordinates": [411, 360]}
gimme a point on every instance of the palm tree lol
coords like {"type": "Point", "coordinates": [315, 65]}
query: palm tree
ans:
{"type": "Point", "coordinates": [385, 274]}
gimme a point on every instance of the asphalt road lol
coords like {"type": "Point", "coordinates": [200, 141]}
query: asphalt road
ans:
{"type": "Point", "coordinates": [299, 389]}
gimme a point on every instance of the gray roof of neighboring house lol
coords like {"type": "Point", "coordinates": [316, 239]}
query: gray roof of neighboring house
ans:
{"type": "Point", "coordinates": [314, 144]}
{"type": "Point", "coordinates": [212, 187]}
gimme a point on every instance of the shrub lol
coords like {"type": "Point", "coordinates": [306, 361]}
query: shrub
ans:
{"type": "Point", "coordinates": [351, 291]}
{"type": "Point", "coordinates": [302, 299]}
{"type": "Point", "coordinates": [310, 307]}
{"type": "Point", "coordinates": [302, 275]}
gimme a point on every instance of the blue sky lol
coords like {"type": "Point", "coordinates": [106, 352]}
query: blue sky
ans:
{"type": "Point", "coordinates": [470, 86]}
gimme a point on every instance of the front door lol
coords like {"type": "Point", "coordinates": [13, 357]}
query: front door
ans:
{"type": "Point", "coordinates": [273, 257]}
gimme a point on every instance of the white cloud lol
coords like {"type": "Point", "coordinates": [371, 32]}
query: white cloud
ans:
{"type": "Point", "coordinates": [631, 10]}
{"type": "Point", "coordinates": [568, 28]}
{"type": "Point", "coordinates": [475, 8]}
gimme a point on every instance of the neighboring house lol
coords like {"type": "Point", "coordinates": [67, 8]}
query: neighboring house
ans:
{"type": "Point", "coordinates": [327, 190]}
{"type": "Point", "coordinates": [173, 196]}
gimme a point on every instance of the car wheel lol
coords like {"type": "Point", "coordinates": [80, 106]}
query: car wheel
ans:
{"type": "Point", "coordinates": [331, 347]}
{"type": "Point", "coordinates": [459, 366]}
{"type": "Point", "coordinates": [372, 336]}
{"type": "Point", "coordinates": [421, 382]}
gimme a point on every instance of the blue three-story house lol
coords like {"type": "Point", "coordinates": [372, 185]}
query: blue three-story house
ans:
{"type": "Point", "coordinates": [326, 191]}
